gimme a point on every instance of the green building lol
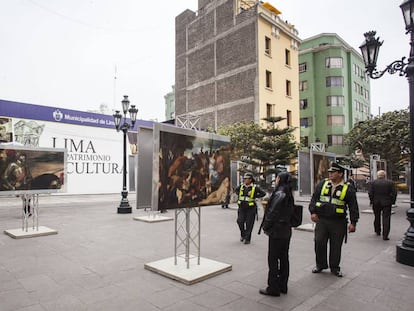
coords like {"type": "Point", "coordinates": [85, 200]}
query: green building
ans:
{"type": "Point", "coordinates": [334, 91]}
{"type": "Point", "coordinates": [170, 105]}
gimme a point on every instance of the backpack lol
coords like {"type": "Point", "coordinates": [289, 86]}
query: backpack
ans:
{"type": "Point", "coordinates": [296, 219]}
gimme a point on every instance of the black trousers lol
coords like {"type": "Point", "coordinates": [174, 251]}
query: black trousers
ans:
{"type": "Point", "coordinates": [246, 216]}
{"type": "Point", "coordinates": [278, 262]}
{"type": "Point", "coordinates": [383, 212]}
{"type": "Point", "coordinates": [334, 231]}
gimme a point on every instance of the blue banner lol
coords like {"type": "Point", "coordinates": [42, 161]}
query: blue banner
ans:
{"type": "Point", "coordinates": [53, 114]}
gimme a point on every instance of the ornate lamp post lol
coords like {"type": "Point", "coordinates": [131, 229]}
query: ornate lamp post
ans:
{"type": "Point", "coordinates": [370, 49]}
{"type": "Point", "coordinates": [124, 207]}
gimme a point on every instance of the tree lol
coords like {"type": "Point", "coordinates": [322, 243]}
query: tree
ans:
{"type": "Point", "coordinates": [243, 136]}
{"type": "Point", "coordinates": [387, 136]}
{"type": "Point", "coordinates": [263, 150]}
{"type": "Point", "coordinates": [277, 148]}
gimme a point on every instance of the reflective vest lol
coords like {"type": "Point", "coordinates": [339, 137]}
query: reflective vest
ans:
{"type": "Point", "coordinates": [337, 201]}
{"type": "Point", "coordinates": [249, 199]}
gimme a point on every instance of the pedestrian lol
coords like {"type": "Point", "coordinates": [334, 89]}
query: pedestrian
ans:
{"type": "Point", "coordinates": [382, 195]}
{"type": "Point", "coordinates": [352, 182]}
{"type": "Point", "coordinates": [247, 193]}
{"type": "Point", "coordinates": [226, 202]}
{"type": "Point", "coordinates": [276, 224]}
{"type": "Point", "coordinates": [328, 208]}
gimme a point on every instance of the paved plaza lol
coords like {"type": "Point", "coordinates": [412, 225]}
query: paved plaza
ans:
{"type": "Point", "coordinates": [96, 262]}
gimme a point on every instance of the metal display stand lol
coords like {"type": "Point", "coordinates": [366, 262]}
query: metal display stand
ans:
{"type": "Point", "coordinates": [187, 233]}
{"type": "Point", "coordinates": [30, 208]}
{"type": "Point", "coordinates": [30, 214]}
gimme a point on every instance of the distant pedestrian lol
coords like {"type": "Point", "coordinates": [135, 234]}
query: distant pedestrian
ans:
{"type": "Point", "coordinates": [277, 225]}
{"type": "Point", "coordinates": [352, 182]}
{"type": "Point", "coordinates": [247, 193]}
{"type": "Point", "coordinates": [382, 195]}
{"type": "Point", "coordinates": [226, 202]}
{"type": "Point", "coordinates": [328, 206]}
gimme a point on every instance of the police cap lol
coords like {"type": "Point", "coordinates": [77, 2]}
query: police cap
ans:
{"type": "Point", "coordinates": [248, 176]}
{"type": "Point", "coordinates": [335, 167]}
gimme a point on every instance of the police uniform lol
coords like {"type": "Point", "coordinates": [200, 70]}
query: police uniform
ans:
{"type": "Point", "coordinates": [331, 204]}
{"type": "Point", "coordinates": [247, 207]}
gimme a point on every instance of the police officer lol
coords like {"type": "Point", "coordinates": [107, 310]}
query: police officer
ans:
{"type": "Point", "coordinates": [247, 193]}
{"type": "Point", "coordinates": [331, 199]}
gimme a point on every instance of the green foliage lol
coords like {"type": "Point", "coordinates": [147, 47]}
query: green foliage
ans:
{"type": "Point", "coordinates": [387, 136]}
{"type": "Point", "coordinates": [243, 136]}
{"type": "Point", "coordinates": [262, 149]}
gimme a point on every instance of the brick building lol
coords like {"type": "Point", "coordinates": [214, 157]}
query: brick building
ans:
{"type": "Point", "coordinates": [236, 60]}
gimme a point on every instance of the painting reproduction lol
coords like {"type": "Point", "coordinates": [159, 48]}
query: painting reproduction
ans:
{"type": "Point", "coordinates": [31, 170]}
{"type": "Point", "coordinates": [194, 170]}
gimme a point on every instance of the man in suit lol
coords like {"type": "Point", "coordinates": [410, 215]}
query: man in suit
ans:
{"type": "Point", "coordinates": [382, 195]}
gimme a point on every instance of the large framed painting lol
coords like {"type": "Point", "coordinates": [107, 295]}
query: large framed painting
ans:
{"type": "Point", "coordinates": [190, 168]}
{"type": "Point", "coordinates": [31, 170]}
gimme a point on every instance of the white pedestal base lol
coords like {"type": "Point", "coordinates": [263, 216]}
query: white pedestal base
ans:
{"type": "Point", "coordinates": [30, 233]}
{"type": "Point", "coordinates": [306, 227]}
{"type": "Point", "coordinates": [370, 211]}
{"type": "Point", "coordinates": [153, 218]}
{"type": "Point", "coordinates": [195, 273]}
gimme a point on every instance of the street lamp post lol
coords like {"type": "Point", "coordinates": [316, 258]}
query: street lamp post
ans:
{"type": "Point", "coordinates": [370, 49]}
{"type": "Point", "coordinates": [124, 207]}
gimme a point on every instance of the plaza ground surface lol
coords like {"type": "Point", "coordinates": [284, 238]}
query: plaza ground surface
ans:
{"type": "Point", "coordinates": [96, 262]}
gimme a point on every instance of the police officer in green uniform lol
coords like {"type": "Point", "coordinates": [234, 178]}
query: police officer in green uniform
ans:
{"type": "Point", "coordinates": [328, 208]}
{"type": "Point", "coordinates": [247, 193]}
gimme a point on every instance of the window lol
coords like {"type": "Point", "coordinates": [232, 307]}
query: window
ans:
{"type": "Point", "coordinates": [268, 50]}
{"type": "Point", "coordinates": [287, 57]}
{"type": "Point", "coordinates": [305, 122]}
{"type": "Point", "coordinates": [303, 104]}
{"type": "Point", "coordinates": [288, 88]}
{"type": "Point", "coordinates": [289, 117]}
{"type": "Point", "coordinates": [336, 120]}
{"type": "Point", "coordinates": [333, 62]}
{"type": "Point", "coordinates": [302, 67]}
{"type": "Point", "coordinates": [366, 95]}
{"type": "Point", "coordinates": [268, 79]}
{"type": "Point", "coordinates": [334, 81]}
{"type": "Point", "coordinates": [334, 101]}
{"type": "Point", "coordinates": [335, 140]}
{"type": "Point", "coordinates": [269, 110]}
{"type": "Point", "coordinates": [303, 85]}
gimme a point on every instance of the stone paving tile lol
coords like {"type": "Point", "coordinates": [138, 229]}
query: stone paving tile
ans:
{"type": "Point", "coordinates": [64, 303]}
{"type": "Point", "coordinates": [215, 298]}
{"type": "Point", "coordinates": [185, 305]}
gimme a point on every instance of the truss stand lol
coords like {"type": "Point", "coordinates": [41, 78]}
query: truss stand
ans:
{"type": "Point", "coordinates": [184, 267]}
{"type": "Point", "coordinates": [30, 220]}
{"type": "Point", "coordinates": [188, 121]}
{"type": "Point", "coordinates": [187, 233]}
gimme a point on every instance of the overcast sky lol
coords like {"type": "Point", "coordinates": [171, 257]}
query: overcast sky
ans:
{"type": "Point", "coordinates": [67, 53]}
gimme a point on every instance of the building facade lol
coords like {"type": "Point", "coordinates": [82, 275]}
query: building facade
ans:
{"type": "Point", "coordinates": [236, 61]}
{"type": "Point", "coordinates": [170, 105]}
{"type": "Point", "coordinates": [334, 91]}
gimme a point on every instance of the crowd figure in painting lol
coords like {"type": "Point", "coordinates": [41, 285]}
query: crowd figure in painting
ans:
{"type": "Point", "coordinates": [193, 179]}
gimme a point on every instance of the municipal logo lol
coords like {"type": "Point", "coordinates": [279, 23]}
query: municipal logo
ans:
{"type": "Point", "coordinates": [57, 115]}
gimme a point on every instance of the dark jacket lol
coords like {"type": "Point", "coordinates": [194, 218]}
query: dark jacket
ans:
{"type": "Point", "coordinates": [382, 192]}
{"type": "Point", "coordinates": [276, 223]}
{"type": "Point", "coordinates": [350, 200]}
